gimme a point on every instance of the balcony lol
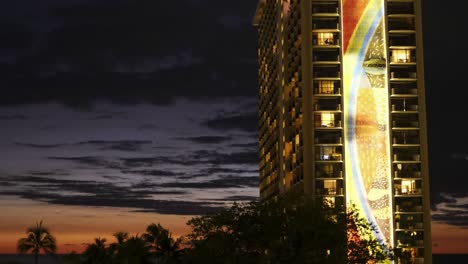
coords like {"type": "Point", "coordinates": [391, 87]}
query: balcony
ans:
{"type": "Point", "coordinates": [410, 209]}
{"type": "Point", "coordinates": [404, 107]}
{"type": "Point", "coordinates": [404, 91]}
{"type": "Point", "coordinates": [323, 105]}
{"type": "Point", "coordinates": [328, 74]}
{"type": "Point", "coordinates": [407, 174]}
{"type": "Point", "coordinates": [402, 75]}
{"type": "Point", "coordinates": [330, 191]}
{"type": "Point", "coordinates": [326, 39]}
{"type": "Point", "coordinates": [325, 9]}
{"type": "Point", "coordinates": [331, 174]}
{"type": "Point", "coordinates": [329, 157]}
{"type": "Point", "coordinates": [328, 170]}
{"type": "Point", "coordinates": [406, 157]}
{"type": "Point", "coordinates": [321, 124]}
{"type": "Point", "coordinates": [326, 57]}
{"type": "Point", "coordinates": [325, 24]}
{"type": "Point", "coordinates": [326, 88]}
{"type": "Point", "coordinates": [401, 22]}
{"type": "Point", "coordinates": [401, 39]}
{"type": "Point", "coordinates": [405, 124]}
{"type": "Point", "coordinates": [400, 7]}
{"type": "Point", "coordinates": [328, 138]}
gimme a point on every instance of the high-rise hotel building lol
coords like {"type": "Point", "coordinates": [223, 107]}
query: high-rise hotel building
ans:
{"type": "Point", "coordinates": [342, 111]}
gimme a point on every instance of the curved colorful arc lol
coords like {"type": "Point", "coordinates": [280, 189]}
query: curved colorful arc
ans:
{"type": "Point", "coordinates": [371, 14]}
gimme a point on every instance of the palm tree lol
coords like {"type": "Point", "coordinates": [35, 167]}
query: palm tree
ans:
{"type": "Point", "coordinates": [160, 239]}
{"type": "Point", "coordinates": [97, 252]}
{"type": "Point", "coordinates": [134, 250]}
{"type": "Point", "coordinates": [38, 239]}
{"type": "Point", "coordinates": [121, 237]}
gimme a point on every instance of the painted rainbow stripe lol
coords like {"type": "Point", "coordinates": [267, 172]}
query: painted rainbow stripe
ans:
{"type": "Point", "coordinates": [365, 114]}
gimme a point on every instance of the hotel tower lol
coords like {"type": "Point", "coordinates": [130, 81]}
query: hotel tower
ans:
{"type": "Point", "coordinates": [342, 111]}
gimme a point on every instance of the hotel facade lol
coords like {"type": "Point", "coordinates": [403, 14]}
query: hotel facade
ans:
{"type": "Point", "coordinates": [342, 111]}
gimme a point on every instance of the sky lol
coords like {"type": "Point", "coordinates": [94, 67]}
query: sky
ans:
{"type": "Point", "coordinates": [115, 114]}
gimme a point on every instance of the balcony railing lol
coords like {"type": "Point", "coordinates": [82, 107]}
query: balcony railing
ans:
{"type": "Point", "coordinates": [328, 124]}
{"type": "Point", "coordinates": [329, 191]}
{"type": "Point", "coordinates": [330, 157]}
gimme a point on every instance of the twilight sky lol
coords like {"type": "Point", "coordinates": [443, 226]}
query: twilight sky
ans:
{"type": "Point", "coordinates": [116, 113]}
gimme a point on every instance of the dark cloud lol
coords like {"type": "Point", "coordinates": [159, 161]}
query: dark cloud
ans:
{"type": "Point", "coordinates": [245, 145]}
{"type": "Point", "coordinates": [93, 193]}
{"type": "Point", "coordinates": [43, 146]}
{"type": "Point", "coordinates": [13, 117]}
{"type": "Point", "coordinates": [15, 37]}
{"type": "Point", "coordinates": [152, 172]}
{"type": "Point", "coordinates": [206, 139]}
{"type": "Point", "coordinates": [124, 52]}
{"type": "Point", "coordinates": [148, 127]}
{"type": "Point", "coordinates": [102, 117]}
{"type": "Point", "coordinates": [217, 170]}
{"type": "Point", "coordinates": [195, 158]}
{"type": "Point", "coordinates": [91, 161]}
{"type": "Point", "coordinates": [243, 198]}
{"type": "Point", "coordinates": [245, 122]}
{"type": "Point", "coordinates": [224, 182]}
{"type": "Point", "coordinates": [122, 145]}
{"type": "Point", "coordinates": [142, 205]}
{"type": "Point", "coordinates": [451, 209]}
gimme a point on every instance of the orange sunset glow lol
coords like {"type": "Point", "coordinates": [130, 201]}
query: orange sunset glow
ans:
{"type": "Point", "coordinates": [74, 227]}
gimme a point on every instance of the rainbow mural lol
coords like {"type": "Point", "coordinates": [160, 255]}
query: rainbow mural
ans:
{"type": "Point", "coordinates": [368, 172]}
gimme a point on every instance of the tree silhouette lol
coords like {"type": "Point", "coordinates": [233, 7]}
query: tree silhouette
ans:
{"type": "Point", "coordinates": [38, 239]}
{"type": "Point", "coordinates": [97, 252]}
{"type": "Point", "coordinates": [289, 229]}
{"type": "Point", "coordinates": [134, 250]}
{"type": "Point", "coordinates": [163, 245]}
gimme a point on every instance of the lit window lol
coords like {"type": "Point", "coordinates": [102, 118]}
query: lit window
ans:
{"type": "Point", "coordinates": [401, 55]}
{"type": "Point", "coordinates": [325, 39]}
{"type": "Point", "coordinates": [330, 186]}
{"type": "Point", "coordinates": [408, 186]}
{"type": "Point", "coordinates": [326, 87]}
{"type": "Point", "coordinates": [327, 120]}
